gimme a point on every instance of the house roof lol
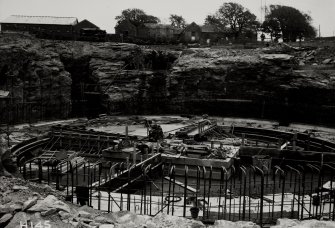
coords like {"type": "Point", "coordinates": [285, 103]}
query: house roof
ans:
{"type": "Point", "coordinates": [192, 26]}
{"type": "Point", "coordinates": [86, 22]}
{"type": "Point", "coordinates": [208, 28]}
{"type": "Point", "coordinates": [22, 19]}
{"type": "Point", "coordinates": [124, 23]}
{"type": "Point", "coordinates": [156, 26]}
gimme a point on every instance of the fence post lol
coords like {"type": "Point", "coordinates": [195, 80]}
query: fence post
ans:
{"type": "Point", "coordinates": [173, 188]}
{"type": "Point", "coordinates": [222, 179]}
{"type": "Point", "coordinates": [244, 190]}
{"type": "Point", "coordinates": [145, 189]}
{"type": "Point", "coordinates": [294, 191]}
{"type": "Point", "coordinates": [231, 188]}
{"type": "Point", "coordinates": [303, 190]}
{"type": "Point", "coordinates": [185, 190]}
{"type": "Point", "coordinates": [283, 191]}
{"type": "Point", "coordinates": [30, 172]}
{"type": "Point", "coordinates": [40, 173]}
{"type": "Point", "coordinates": [72, 181]}
{"type": "Point", "coordinates": [262, 196]}
{"type": "Point", "coordinates": [24, 171]}
{"type": "Point", "coordinates": [169, 194]}
{"type": "Point", "coordinates": [67, 179]}
{"type": "Point", "coordinates": [163, 167]}
{"type": "Point", "coordinates": [99, 183]}
{"type": "Point", "coordinates": [57, 178]}
{"type": "Point", "coordinates": [91, 190]}
{"type": "Point", "coordinates": [204, 198]}
{"type": "Point", "coordinates": [331, 213]}
{"type": "Point", "coordinates": [150, 190]}
{"type": "Point", "coordinates": [209, 188]}
{"type": "Point", "coordinates": [48, 173]}
{"type": "Point", "coordinates": [198, 185]}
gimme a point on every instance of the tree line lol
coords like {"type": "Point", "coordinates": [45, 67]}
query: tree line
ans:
{"type": "Point", "coordinates": [233, 18]}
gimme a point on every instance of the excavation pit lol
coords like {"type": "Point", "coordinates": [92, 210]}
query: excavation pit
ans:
{"type": "Point", "coordinates": [230, 172]}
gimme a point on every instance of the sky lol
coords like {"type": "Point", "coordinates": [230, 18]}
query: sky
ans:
{"type": "Point", "coordinates": [103, 12]}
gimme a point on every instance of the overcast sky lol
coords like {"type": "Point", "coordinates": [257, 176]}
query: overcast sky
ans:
{"type": "Point", "coordinates": [103, 12]}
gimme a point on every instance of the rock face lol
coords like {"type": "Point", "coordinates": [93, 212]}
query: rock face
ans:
{"type": "Point", "coordinates": [61, 78]}
{"type": "Point", "coordinates": [7, 164]}
{"type": "Point", "coordinates": [35, 78]}
{"type": "Point", "coordinates": [229, 82]}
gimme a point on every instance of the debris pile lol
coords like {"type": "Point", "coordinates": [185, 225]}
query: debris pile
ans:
{"type": "Point", "coordinates": [315, 57]}
{"type": "Point", "coordinates": [23, 202]}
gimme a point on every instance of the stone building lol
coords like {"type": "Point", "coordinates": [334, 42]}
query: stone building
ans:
{"type": "Point", "coordinates": [126, 28]}
{"type": "Point", "coordinates": [43, 26]}
{"type": "Point", "coordinates": [86, 30]}
{"type": "Point", "coordinates": [210, 34]}
{"type": "Point", "coordinates": [191, 34]}
{"type": "Point", "coordinates": [156, 31]}
{"type": "Point", "coordinates": [84, 24]}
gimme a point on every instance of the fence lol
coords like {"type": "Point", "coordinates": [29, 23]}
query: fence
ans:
{"type": "Point", "coordinates": [243, 193]}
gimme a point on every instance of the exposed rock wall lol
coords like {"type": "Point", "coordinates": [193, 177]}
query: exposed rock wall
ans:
{"type": "Point", "coordinates": [35, 77]}
{"type": "Point", "coordinates": [91, 78]}
{"type": "Point", "coordinates": [252, 84]}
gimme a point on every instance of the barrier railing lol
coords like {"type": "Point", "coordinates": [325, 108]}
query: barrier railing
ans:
{"type": "Point", "coordinates": [250, 193]}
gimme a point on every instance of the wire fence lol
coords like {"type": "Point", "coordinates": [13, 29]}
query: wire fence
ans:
{"type": "Point", "coordinates": [251, 193]}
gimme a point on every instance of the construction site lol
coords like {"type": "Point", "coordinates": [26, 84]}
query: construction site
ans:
{"type": "Point", "coordinates": [207, 134]}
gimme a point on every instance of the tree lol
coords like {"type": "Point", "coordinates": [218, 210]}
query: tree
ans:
{"type": "Point", "coordinates": [177, 21]}
{"type": "Point", "coordinates": [272, 26]}
{"type": "Point", "coordinates": [233, 18]}
{"type": "Point", "coordinates": [136, 16]}
{"type": "Point", "coordinates": [216, 22]}
{"type": "Point", "coordinates": [290, 21]}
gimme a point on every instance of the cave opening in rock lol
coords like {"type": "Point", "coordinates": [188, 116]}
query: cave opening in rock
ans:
{"type": "Point", "coordinates": [85, 93]}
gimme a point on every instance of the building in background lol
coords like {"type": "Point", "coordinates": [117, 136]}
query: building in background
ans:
{"type": "Point", "coordinates": [42, 26]}
{"type": "Point", "coordinates": [126, 29]}
{"type": "Point", "coordinates": [87, 31]}
{"type": "Point", "coordinates": [147, 32]}
{"type": "Point", "coordinates": [191, 34]}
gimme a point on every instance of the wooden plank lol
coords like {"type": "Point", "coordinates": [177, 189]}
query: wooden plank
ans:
{"type": "Point", "coordinates": [181, 184]}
